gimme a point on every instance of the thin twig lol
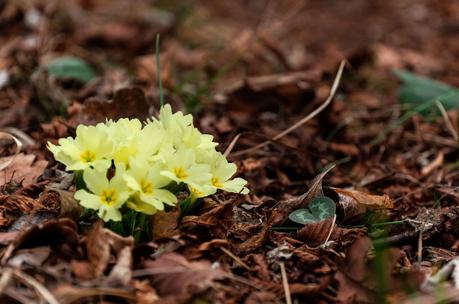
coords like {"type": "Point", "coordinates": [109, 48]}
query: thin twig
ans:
{"type": "Point", "coordinates": [231, 145]}
{"type": "Point", "coordinates": [234, 257]}
{"type": "Point", "coordinates": [306, 118]}
{"type": "Point", "coordinates": [39, 288]}
{"type": "Point", "coordinates": [330, 231]}
{"type": "Point", "coordinates": [288, 297]}
{"type": "Point", "coordinates": [448, 123]}
{"type": "Point", "coordinates": [5, 279]}
{"type": "Point", "coordinates": [420, 247]}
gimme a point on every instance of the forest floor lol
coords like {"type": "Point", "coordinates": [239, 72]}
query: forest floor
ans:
{"type": "Point", "coordinates": [385, 149]}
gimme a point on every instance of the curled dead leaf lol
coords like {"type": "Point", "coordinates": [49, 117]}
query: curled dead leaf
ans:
{"type": "Point", "coordinates": [59, 234]}
{"type": "Point", "coordinates": [354, 203]}
{"type": "Point", "coordinates": [315, 234]}
{"type": "Point", "coordinates": [100, 242]}
{"type": "Point", "coordinates": [63, 201]}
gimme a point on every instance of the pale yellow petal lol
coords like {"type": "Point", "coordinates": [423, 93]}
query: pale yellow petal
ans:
{"type": "Point", "coordinates": [88, 200]}
{"type": "Point", "coordinates": [236, 186]}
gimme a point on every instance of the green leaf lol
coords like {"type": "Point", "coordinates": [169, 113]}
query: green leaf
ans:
{"type": "Point", "coordinates": [417, 90]}
{"type": "Point", "coordinates": [319, 209]}
{"type": "Point", "coordinates": [71, 68]}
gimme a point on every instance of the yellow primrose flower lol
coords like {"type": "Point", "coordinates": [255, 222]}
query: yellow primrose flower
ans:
{"type": "Point", "coordinates": [138, 205]}
{"type": "Point", "coordinates": [91, 148]}
{"type": "Point", "coordinates": [173, 124]}
{"type": "Point", "coordinates": [180, 166]}
{"type": "Point", "coordinates": [192, 138]}
{"type": "Point", "coordinates": [146, 181]}
{"type": "Point", "coordinates": [201, 190]}
{"type": "Point", "coordinates": [150, 141]}
{"type": "Point", "coordinates": [222, 171]}
{"type": "Point", "coordinates": [106, 196]}
{"type": "Point", "coordinates": [171, 120]}
{"type": "Point", "coordinates": [125, 133]}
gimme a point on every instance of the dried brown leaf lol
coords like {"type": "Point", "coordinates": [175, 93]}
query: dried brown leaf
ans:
{"type": "Point", "coordinates": [100, 242]}
{"type": "Point", "coordinates": [121, 273]}
{"type": "Point", "coordinates": [19, 203]}
{"type": "Point", "coordinates": [60, 235]}
{"type": "Point", "coordinates": [316, 234]}
{"type": "Point", "coordinates": [174, 276]}
{"type": "Point", "coordinates": [32, 257]}
{"type": "Point", "coordinates": [165, 224]}
{"type": "Point", "coordinates": [7, 237]}
{"type": "Point", "coordinates": [218, 219]}
{"type": "Point", "coordinates": [61, 200]}
{"type": "Point", "coordinates": [354, 203]}
{"type": "Point", "coordinates": [23, 168]}
{"type": "Point", "coordinates": [98, 250]}
{"type": "Point", "coordinates": [127, 103]}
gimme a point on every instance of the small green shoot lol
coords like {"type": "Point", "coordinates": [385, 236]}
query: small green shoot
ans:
{"type": "Point", "coordinates": [416, 90]}
{"type": "Point", "coordinates": [419, 95]}
{"type": "Point", "coordinates": [409, 114]}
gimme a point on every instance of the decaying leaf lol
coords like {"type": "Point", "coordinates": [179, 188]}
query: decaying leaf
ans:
{"type": "Point", "coordinates": [164, 224]}
{"type": "Point", "coordinates": [127, 103]}
{"type": "Point", "coordinates": [33, 257]}
{"type": "Point", "coordinates": [121, 273]}
{"type": "Point", "coordinates": [100, 242]}
{"type": "Point", "coordinates": [62, 200]}
{"type": "Point", "coordinates": [24, 169]}
{"type": "Point", "coordinates": [174, 276]}
{"type": "Point", "coordinates": [354, 203]}
{"type": "Point", "coordinates": [316, 233]}
{"type": "Point", "coordinates": [60, 235]}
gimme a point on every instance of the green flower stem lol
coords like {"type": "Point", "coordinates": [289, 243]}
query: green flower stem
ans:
{"type": "Point", "coordinates": [79, 181]}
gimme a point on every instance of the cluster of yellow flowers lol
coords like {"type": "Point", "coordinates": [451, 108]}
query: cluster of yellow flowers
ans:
{"type": "Point", "coordinates": [147, 160]}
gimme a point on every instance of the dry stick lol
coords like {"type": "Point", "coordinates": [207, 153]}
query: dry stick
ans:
{"type": "Point", "coordinates": [234, 257]}
{"type": "Point", "coordinates": [39, 288]}
{"type": "Point", "coordinates": [420, 247]}
{"type": "Point", "coordinates": [5, 279]}
{"type": "Point", "coordinates": [231, 145]}
{"type": "Point", "coordinates": [82, 293]}
{"type": "Point", "coordinates": [449, 125]}
{"type": "Point", "coordinates": [329, 232]}
{"type": "Point", "coordinates": [305, 119]}
{"type": "Point", "coordinates": [288, 297]}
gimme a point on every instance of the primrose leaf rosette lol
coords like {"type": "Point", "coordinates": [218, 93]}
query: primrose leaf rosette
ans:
{"type": "Point", "coordinates": [129, 165]}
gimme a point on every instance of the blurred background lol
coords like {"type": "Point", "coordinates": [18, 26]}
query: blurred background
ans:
{"type": "Point", "coordinates": [242, 66]}
{"type": "Point", "coordinates": [248, 70]}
